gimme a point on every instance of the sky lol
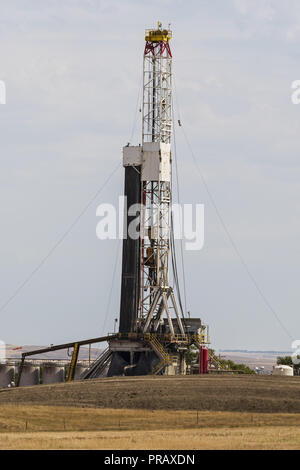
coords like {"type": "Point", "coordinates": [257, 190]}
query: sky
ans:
{"type": "Point", "coordinates": [73, 72]}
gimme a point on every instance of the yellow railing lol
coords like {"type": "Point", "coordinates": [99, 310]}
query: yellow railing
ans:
{"type": "Point", "coordinates": [158, 347]}
{"type": "Point", "coordinates": [216, 361]}
{"type": "Point", "coordinates": [157, 35]}
{"type": "Point", "coordinates": [201, 338]}
{"type": "Point", "coordinates": [180, 338]}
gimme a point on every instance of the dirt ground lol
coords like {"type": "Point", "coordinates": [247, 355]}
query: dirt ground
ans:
{"type": "Point", "coordinates": [259, 394]}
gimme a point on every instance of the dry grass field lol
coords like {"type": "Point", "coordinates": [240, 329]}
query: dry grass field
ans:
{"type": "Point", "coordinates": [43, 427]}
{"type": "Point", "coordinates": [210, 439]}
{"type": "Point", "coordinates": [235, 412]}
{"type": "Point", "coordinates": [265, 394]}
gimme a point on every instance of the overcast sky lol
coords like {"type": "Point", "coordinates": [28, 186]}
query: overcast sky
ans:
{"type": "Point", "coordinates": [73, 71]}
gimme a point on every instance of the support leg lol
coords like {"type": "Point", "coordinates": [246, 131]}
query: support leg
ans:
{"type": "Point", "coordinates": [20, 371]}
{"type": "Point", "coordinates": [73, 362]}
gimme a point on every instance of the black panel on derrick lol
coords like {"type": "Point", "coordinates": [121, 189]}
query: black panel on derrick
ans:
{"type": "Point", "coordinates": [131, 256]}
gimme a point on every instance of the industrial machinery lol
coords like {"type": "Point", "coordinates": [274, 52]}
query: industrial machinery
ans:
{"type": "Point", "coordinates": [154, 335]}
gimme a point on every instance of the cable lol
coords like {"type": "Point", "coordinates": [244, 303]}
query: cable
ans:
{"type": "Point", "coordinates": [178, 198]}
{"type": "Point", "coordinates": [66, 233]}
{"type": "Point", "coordinates": [60, 240]}
{"type": "Point", "coordinates": [174, 262]}
{"type": "Point", "coordinates": [112, 285]}
{"type": "Point", "coordinates": [118, 246]}
{"type": "Point", "coordinates": [136, 111]}
{"type": "Point", "coordinates": [232, 242]}
{"type": "Point", "coordinates": [174, 266]}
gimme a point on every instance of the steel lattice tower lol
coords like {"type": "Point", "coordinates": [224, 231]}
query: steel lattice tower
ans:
{"type": "Point", "coordinates": [151, 339]}
{"type": "Point", "coordinates": [156, 182]}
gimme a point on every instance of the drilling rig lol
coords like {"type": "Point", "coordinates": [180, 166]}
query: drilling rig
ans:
{"type": "Point", "coordinates": [154, 335]}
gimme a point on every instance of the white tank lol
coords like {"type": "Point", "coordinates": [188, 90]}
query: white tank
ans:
{"type": "Point", "coordinates": [52, 374]}
{"type": "Point", "coordinates": [283, 370]}
{"type": "Point", "coordinates": [80, 369]}
{"type": "Point", "coordinates": [7, 375]}
{"type": "Point", "coordinates": [30, 375]}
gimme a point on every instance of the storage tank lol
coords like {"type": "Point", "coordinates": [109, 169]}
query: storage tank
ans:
{"type": "Point", "coordinates": [203, 360]}
{"type": "Point", "coordinates": [53, 374]}
{"type": "Point", "coordinates": [7, 375]}
{"type": "Point", "coordinates": [79, 371]}
{"type": "Point", "coordinates": [283, 370]}
{"type": "Point", "coordinates": [30, 375]}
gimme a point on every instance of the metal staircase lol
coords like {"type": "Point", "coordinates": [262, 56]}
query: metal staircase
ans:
{"type": "Point", "coordinates": [158, 348]}
{"type": "Point", "coordinates": [215, 361]}
{"type": "Point", "coordinates": [98, 366]}
{"type": "Point", "coordinates": [198, 340]}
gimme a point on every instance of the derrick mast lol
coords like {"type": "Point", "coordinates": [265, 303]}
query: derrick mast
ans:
{"type": "Point", "coordinates": [153, 335]}
{"type": "Point", "coordinates": [149, 165]}
{"type": "Point", "coordinates": [157, 87]}
{"type": "Point", "coordinates": [156, 180]}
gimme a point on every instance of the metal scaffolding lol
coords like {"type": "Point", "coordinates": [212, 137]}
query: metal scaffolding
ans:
{"type": "Point", "coordinates": [155, 291]}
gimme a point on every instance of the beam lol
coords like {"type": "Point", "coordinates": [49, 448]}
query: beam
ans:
{"type": "Point", "coordinates": [73, 362]}
{"type": "Point", "coordinates": [68, 345]}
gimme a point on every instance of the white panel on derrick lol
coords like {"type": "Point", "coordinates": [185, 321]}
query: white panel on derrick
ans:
{"type": "Point", "coordinates": [156, 162]}
{"type": "Point", "coordinates": [165, 166]}
{"type": "Point", "coordinates": [132, 155]}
